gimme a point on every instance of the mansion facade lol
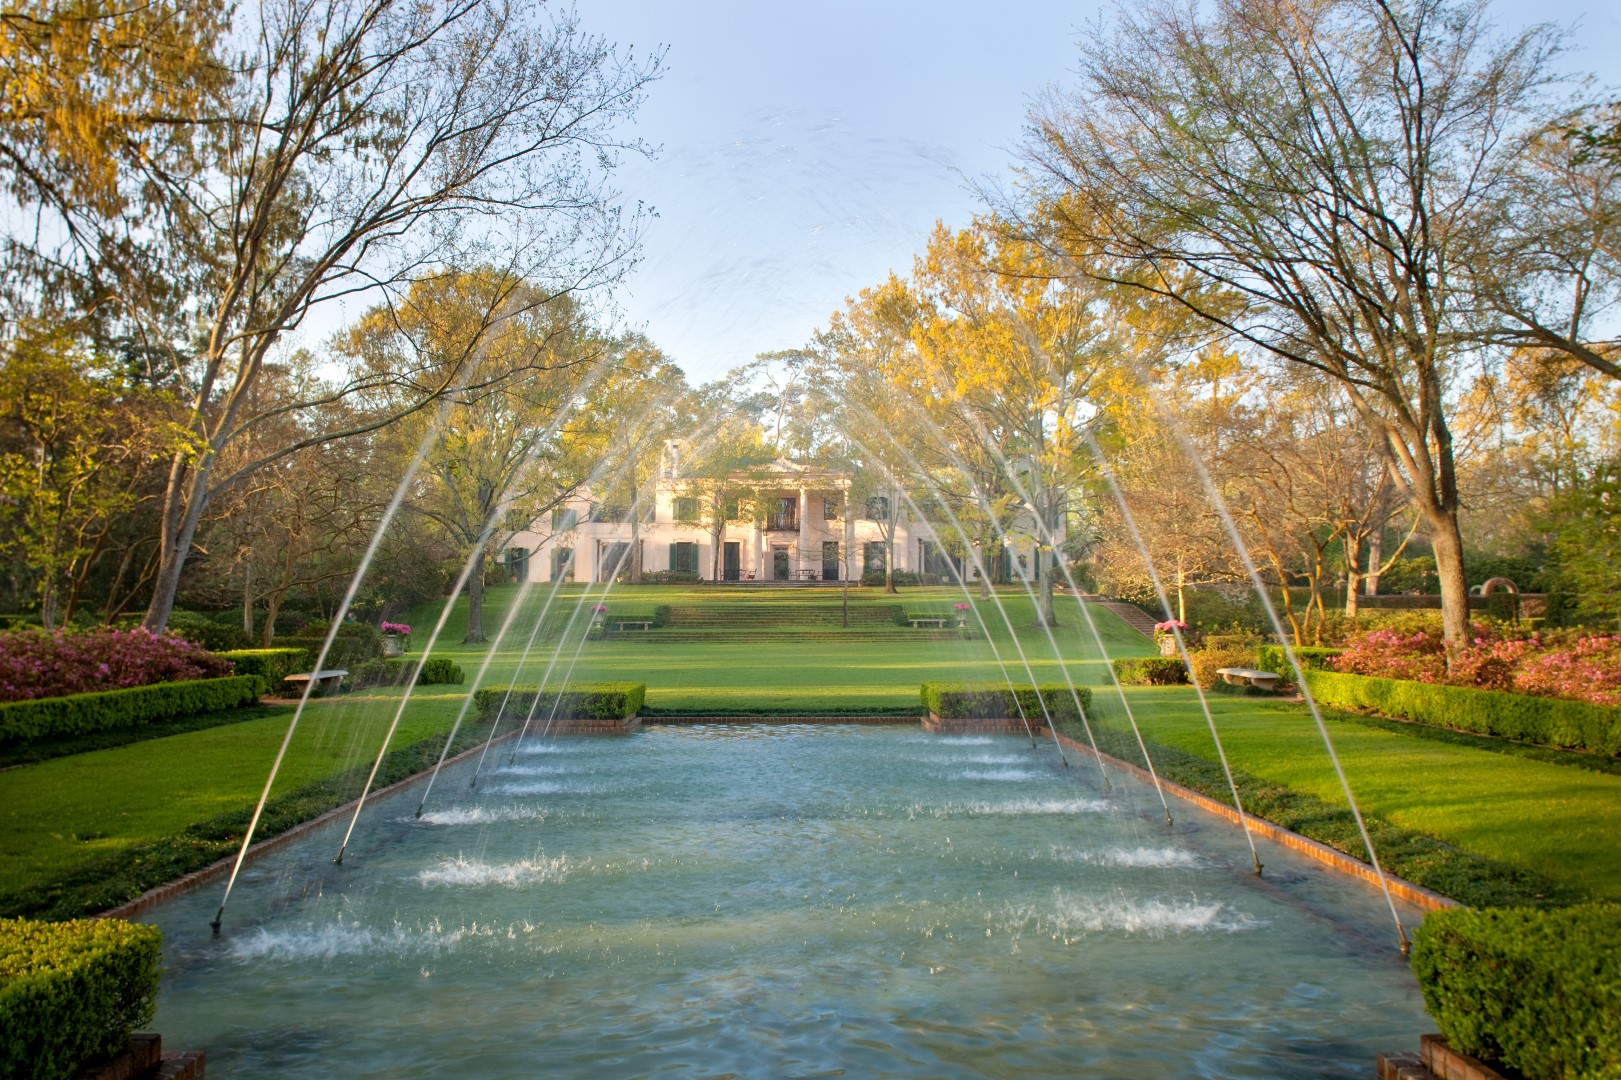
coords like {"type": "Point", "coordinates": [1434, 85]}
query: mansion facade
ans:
{"type": "Point", "coordinates": [783, 522]}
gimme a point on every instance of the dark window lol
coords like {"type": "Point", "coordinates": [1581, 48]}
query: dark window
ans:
{"type": "Point", "coordinates": [830, 507]}
{"type": "Point", "coordinates": [562, 563]}
{"type": "Point", "coordinates": [564, 519]}
{"type": "Point", "coordinates": [684, 557]}
{"type": "Point", "coordinates": [732, 510]}
{"type": "Point", "coordinates": [784, 516]}
{"type": "Point", "coordinates": [518, 563]}
{"type": "Point", "coordinates": [685, 508]}
{"type": "Point", "coordinates": [608, 512]}
{"type": "Point", "coordinates": [872, 557]}
{"type": "Point", "coordinates": [877, 508]}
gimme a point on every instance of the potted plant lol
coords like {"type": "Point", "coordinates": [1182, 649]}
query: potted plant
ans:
{"type": "Point", "coordinates": [1165, 635]}
{"type": "Point", "coordinates": [396, 638]}
{"type": "Point", "coordinates": [962, 616]}
{"type": "Point", "coordinates": [599, 619]}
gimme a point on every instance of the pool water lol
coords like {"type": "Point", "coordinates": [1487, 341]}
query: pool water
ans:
{"type": "Point", "coordinates": [786, 900]}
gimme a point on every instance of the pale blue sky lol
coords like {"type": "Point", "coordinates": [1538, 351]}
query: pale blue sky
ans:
{"type": "Point", "coordinates": [808, 149]}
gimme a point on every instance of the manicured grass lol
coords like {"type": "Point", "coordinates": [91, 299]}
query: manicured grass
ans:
{"type": "Point", "coordinates": [1546, 818]}
{"type": "Point", "coordinates": [30, 753]}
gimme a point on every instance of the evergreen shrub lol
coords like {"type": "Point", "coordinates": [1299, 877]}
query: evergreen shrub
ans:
{"type": "Point", "coordinates": [1311, 657]}
{"type": "Point", "coordinates": [348, 650]}
{"type": "Point", "coordinates": [999, 701]}
{"type": "Point", "coordinates": [1558, 722]}
{"type": "Point", "coordinates": [270, 665]}
{"type": "Point", "coordinates": [1539, 991]}
{"type": "Point", "coordinates": [71, 992]}
{"type": "Point", "coordinates": [578, 701]}
{"type": "Point", "coordinates": [78, 714]}
{"type": "Point", "coordinates": [1151, 671]}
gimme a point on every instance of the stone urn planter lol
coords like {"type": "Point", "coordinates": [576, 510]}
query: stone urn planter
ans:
{"type": "Point", "coordinates": [1167, 644]}
{"type": "Point", "coordinates": [393, 645]}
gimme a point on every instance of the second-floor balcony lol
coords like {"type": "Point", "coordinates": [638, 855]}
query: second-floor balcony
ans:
{"type": "Point", "coordinates": [782, 521]}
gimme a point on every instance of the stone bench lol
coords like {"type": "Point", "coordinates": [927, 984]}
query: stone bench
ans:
{"type": "Point", "coordinates": [1243, 676]}
{"type": "Point", "coordinates": [938, 624]}
{"type": "Point", "coordinates": [325, 680]}
{"type": "Point", "coordinates": [633, 624]}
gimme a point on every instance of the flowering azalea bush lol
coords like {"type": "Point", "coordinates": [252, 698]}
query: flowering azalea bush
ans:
{"type": "Point", "coordinates": [397, 629]}
{"type": "Point", "coordinates": [1563, 664]}
{"type": "Point", "coordinates": [37, 664]}
{"type": "Point", "coordinates": [1170, 626]}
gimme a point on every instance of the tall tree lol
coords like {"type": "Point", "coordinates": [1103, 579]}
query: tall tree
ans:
{"type": "Point", "coordinates": [360, 146]}
{"type": "Point", "coordinates": [1329, 163]}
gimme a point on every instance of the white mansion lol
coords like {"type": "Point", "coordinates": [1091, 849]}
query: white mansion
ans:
{"type": "Point", "coordinates": [782, 522]}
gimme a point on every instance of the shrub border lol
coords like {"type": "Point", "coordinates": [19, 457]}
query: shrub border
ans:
{"type": "Point", "coordinates": [1544, 721]}
{"type": "Point", "coordinates": [107, 710]}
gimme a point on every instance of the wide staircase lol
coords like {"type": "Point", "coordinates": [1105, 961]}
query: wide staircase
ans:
{"type": "Point", "coordinates": [745, 620]}
{"type": "Point", "coordinates": [1132, 615]}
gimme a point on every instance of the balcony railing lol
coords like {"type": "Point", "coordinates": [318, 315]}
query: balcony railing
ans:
{"type": "Point", "coordinates": [782, 523]}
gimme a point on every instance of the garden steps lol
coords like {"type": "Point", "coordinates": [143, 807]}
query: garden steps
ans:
{"type": "Point", "coordinates": [679, 635]}
{"type": "Point", "coordinates": [1132, 615]}
{"type": "Point", "coordinates": [783, 615]}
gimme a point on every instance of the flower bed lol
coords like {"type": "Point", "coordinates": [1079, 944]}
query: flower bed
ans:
{"type": "Point", "coordinates": [71, 992]}
{"type": "Point", "coordinates": [1559, 664]}
{"type": "Point", "coordinates": [35, 664]}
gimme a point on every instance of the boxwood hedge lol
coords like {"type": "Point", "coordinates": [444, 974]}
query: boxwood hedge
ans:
{"type": "Point", "coordinates": [106, 710]}
{"type": "Point", "coordinates": [71, 992]}
{"type": "Point", "coordinates": [1539, 991]}
{"type": "Point", "coordinates": [396, 671]}
{"type": "Point", "coordinates": [1311, 657]}
{"type": "Point", "coordinates": [579, 701]}
{"type": "Point", "coordinates": [271, 665]}
{"type": "Point", "coordinates": [999, 701]}
{"type": "Point", "coordinates": [1573, 725]}
{"type": "Point", "coordinates": [1151, 671]}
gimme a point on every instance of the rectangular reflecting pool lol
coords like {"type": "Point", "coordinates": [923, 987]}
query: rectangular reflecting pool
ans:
{"type": "Point", "coordinates": [785, 900]}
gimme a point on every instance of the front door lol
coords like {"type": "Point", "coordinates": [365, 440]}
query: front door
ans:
{"type": "Point", "coordinates": [830, 560]}
{"type": "Point", "coordinates": [779, 564]}
{"type": "Point", "coordinates": [732, 562]}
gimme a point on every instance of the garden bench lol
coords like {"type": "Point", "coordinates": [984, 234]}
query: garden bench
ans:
{"type": "Point", "coordinates": [938, 623]}
{"type": "Point", "coordinates": [1243, 676]}
{"type": "Point", "coordinates": [633, 624]}
{"type": "Point", "coordinates": [325, 679]}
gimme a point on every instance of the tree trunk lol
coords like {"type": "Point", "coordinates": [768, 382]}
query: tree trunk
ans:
{"type": "Point", "coordinates": [889, 561]}
{"type": "Point", "coordinates": [475, 603]}
{"type": "Point", "coordinates": [272, 609]}
{"type": "Point", "coordinates": [183, 505]}
{"type": "Point", "coordinates": [1447, 543]}
{"type": "Point", "coordinates": [1045, 615]}
{"type": "Point", "coordinates": [247, 603]}
{"type": "Point", "coordinates": [1376, 555]}
{"type": "Point", "coordinates": [1353, 573]}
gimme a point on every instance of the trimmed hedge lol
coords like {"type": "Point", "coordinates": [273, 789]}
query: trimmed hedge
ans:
{"type": "Point", "coordinates": [1151, 671]}
{"type": "Point", "coordinates": [348, 650]}
{"type": "Point", "coordinates": [1311, 657]}
{"type": "Point", "coordinates": [580, 701]}
{"type": "Point", "coordinates": [78, 714]}
{"type": "Point", "coordinates": [999, 701]}
{"type": "Point", "coordinates": [1544, 721]}
{"type": "Point", "coordinates": [72, 992]}
{"type": "Point", "coordinates": [271, 665]}
{"type": "Point", "coordinates": [397, 671]}
{"type": "Point", "coordinates": [1539, 991]}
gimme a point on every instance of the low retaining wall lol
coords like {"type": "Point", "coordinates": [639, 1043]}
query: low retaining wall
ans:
{"type": "Point", "coordinates": [1417, 895]}
{"type": "Point", "coordinates": [616, 726]}
{"type": "Point", "coordinates": [907, 718]}
{"type": "Point", "coordinates": [939, 725]}
{"type": "Point", "coordinates": [1436, 1060]}
{"type": "Point", "coordinates": [143, 1059]}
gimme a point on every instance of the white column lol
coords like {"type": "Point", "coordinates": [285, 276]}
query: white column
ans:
{"type": "Point", "coordinates": [804, 527]}
{"type": "Point", "coordinates": [849, 537]}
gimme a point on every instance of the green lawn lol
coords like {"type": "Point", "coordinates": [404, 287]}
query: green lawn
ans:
{"type": "Point", "coordinates": [1540, 816]}
{"type": "Point", "coordinates": [1549, 818]}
